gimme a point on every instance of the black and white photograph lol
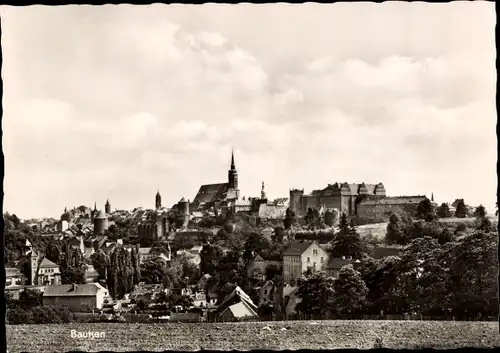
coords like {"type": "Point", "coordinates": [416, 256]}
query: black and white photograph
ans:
{"type": "Point", "coordinates": [184, 177]}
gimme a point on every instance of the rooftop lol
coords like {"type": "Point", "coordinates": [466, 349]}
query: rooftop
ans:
{"type": "Point", "coordinates": [298, 247]}
{"type": "Point", "coordinates": [73, 290]}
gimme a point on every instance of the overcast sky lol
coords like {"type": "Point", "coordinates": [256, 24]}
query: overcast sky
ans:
{"type": "Point", "coordinates": [119, 101]}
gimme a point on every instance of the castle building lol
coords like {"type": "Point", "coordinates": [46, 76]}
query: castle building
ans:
{"type": "Point", "coordinates": [341, 196]}
{"type": "Point", "coordinates": [381, 209]}
{"type": "Point", "coordinates": [211, 195]}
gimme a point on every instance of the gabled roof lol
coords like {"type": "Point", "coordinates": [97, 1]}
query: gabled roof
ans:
{"type": "Point", "coordinates": [46, 263]}
{"type": "Point", "coordinates": [71, 290]}
{"type": "Point", "coordinates": [211, 192]}
{"type": "Point", "coordinates": [238, 292]}
{"type": "Point", "coordinates": [258, 258]}
{"type": "Point", "coordinates": [240, 310]}
{"type": "Point", "coordinates": [298, 247]}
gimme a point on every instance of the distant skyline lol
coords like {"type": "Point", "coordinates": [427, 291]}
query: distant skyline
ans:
{"type": "Point", "coordinates": [119, 101]}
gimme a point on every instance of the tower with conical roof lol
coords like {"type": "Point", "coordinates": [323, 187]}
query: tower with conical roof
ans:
{"type": "Point", "coordinates": [100, 223]}
{"type": "Point", "coordinates": [158, 200]}
{"type": "Point", "coordinates": [233, 176]}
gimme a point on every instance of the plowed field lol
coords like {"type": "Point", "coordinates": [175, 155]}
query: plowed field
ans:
{"type": "Point", "coordinates": [255, 335]}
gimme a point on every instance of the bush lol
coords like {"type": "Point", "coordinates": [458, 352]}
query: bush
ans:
{"type": "Point", "coordinates": [17, 316]}
{"type": "Point", "coordinates": [51, 315]}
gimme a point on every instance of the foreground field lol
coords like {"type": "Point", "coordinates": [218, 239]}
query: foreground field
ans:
{"type": "Point", "coordinates": [258, 335]}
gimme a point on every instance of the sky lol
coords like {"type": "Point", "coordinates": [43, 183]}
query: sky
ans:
{"type": "Point", "coordinates": [119, 101]}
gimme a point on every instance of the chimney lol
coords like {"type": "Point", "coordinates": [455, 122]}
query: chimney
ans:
{"type": "Point", "coordinates": [73, 287]}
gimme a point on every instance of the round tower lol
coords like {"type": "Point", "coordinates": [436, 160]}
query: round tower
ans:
{"type": "Point", "coordinates": [296, 200]}
{"type": "Point", "coordinates": [100, 223]}
{"type": "Point", "coordinates": [184, 210]}
{"type": "Point", "coordinates": [107, 207]}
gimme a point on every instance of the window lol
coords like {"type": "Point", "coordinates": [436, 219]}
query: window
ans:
{"type": "Point", "coordinates": [308, 259]}
{"type": "Point", "coordinates": [322, 260]}
{"type": "Point", "coordinates": [265, 292]}
{"type": "Point", "coordinates": [315, 252]}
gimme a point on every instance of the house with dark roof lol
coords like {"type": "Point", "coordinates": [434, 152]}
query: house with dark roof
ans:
{"type": "Point", "coordinates": [335, 265]}
{"type": "Point", "coordinates": [76, 296]}
{"type": "Point", "coordinates": [301, 256]}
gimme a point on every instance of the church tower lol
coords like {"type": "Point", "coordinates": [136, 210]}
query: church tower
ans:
{"type": "Point", "coordinates": [107, 207]}
{"type": "Point", "coordinates": [158, 200]}
{"type": "Point", "coordinates": [93, 213]}
{"type": "Point", "coordinates": [262, 193]}
{"type": "Point", "coordinates": [233, 175]}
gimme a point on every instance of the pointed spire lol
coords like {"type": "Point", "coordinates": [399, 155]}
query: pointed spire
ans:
{"type": "Point", "coordinates": [432, 197]}
{"type": "Point", "coordinates": [95, 206]}
{"type": "Point", "coordinates": [232, 159]}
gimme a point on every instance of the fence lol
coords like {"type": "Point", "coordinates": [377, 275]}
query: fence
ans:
{"type": "Point", "coordinates": [304, 317]}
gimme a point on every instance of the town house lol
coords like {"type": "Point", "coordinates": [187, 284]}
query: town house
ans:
{"type": "Point", "coordinates": [301, 256]}
{"type": "Point", "coordinates": [48, 273]}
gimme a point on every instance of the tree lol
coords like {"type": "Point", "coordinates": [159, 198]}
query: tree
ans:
{"type": "Point", "coordinates": [350, 291]}
{"type": "Point", "coordinates": [349, 243]}
{"type": "Point", "coordinates": [211, 256]}
{"type": "Point", "coordinates": [480, 212]}
{"type": "Point", "coordinates": [445, 236]}
{"type": "Point", "coordinates": [272, 272]}
{"type": "Point", "coordinates": [254, 244]}
{"type": "Point", "coordinates": [330, 218]}
{"type": "Point", "coordinates": [312, 217]}
{"type": "Point", "coordinates": [461, 210]}
{"type": "Point", "coordinates": [484, 224]}
{"type": "Point", "coordinates": [425, 210]}
{"type": "Point", "coordinates": [316, 292]}
{"type": "Point", "coordinates": [344, 224]}
{"type": "Point", "coordinates": [290, 219]}
{"type": "Point", "coordinates": [100, 262]}
{"type": "Point", "coordinates": [395, 232]}
{"type": "Point", "coordinates": [443, 211]}
{"type": "Point", "coordinates": [153, 271]}
{"type": "Point", "coordinates": [72, 266]}
{"type": "Point", "coordinates": [121, 272]}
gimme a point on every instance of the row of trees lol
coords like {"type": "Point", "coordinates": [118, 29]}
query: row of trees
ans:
{"type": "Point", "coordinates": [402, 229]}
{"type": "Point", "coordinates": [455, 279]}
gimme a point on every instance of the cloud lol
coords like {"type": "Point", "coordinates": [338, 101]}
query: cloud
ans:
{"type": "Point", "coordinates": [120, 101]}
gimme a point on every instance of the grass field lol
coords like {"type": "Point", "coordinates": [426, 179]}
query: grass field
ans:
{"type": "Point", "coordinates": [378, 230]}
{"type": "Point", "coordinates": [254, 335]}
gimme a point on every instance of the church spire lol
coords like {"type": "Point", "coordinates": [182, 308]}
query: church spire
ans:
{"type": "Point", "coordinates": [232, 160]}
{"type": "Point", "coordinates": [262, 192]}
{"type": "Point", "coordinates": [432, 197]}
